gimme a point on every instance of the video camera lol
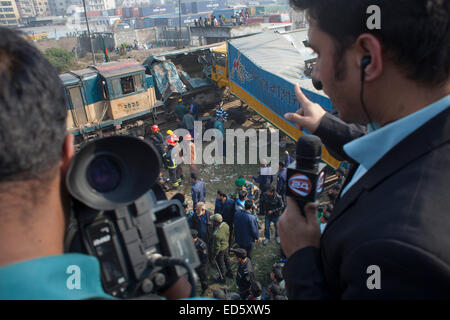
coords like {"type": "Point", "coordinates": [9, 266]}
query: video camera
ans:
{"type": "Point", "coordinates": [122, 217]}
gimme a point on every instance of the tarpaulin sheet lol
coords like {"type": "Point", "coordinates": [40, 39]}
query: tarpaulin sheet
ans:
{"type": "Point", "coordinates": [268, 65]}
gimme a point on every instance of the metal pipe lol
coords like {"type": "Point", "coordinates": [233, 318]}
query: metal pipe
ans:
{"type": "Point", "coordinates": [89, 33]}
{"type": "Point", "coordinates": [179, 21]}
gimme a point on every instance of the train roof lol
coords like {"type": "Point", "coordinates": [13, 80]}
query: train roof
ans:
{"type": "Point", "coordinates": [68, 79]}
{"type": "Point", "coordinates": [120, 67]}
{"type": "Point", "coordinates": [283, 55]}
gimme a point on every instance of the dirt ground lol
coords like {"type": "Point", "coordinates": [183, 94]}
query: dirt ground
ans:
{"type": "Point", "coordinates": [139, 55]}
{"type": "Point", "coordinates": [222, 177]}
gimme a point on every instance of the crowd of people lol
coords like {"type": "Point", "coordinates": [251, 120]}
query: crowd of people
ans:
{"type": "Point", "coordinates": [236, 19]}
{"type": "Point", "coordinates": [234, 226]}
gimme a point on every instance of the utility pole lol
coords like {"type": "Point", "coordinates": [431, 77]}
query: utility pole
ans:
{"type": "Point", "coordinates": [89, 33]}
{"type": "Point", "coordinates": [179, 21]}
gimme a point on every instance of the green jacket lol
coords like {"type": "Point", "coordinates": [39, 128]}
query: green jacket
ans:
{"type": "Point", "coordinates": [219, 126]}
{"type": "Point", "coordinates": [221, 235]}
{"type": "Point", "coordinates": [180, 111]}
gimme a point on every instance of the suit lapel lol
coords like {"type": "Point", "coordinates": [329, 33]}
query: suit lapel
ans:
{"type": "Point", "coordinates": [430, 136]}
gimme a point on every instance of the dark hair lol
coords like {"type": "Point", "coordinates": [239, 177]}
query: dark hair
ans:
{"type": "Point", "coordinates": [248, 204]}
{"type": "Point", "coordinates": [275, 289]}
{"type": "Point", "coordinates": [256, 288]}
{"type": "Point", "coordinates": [219, 294]}
{"type": "Point", "coordinates": [179, 196]}
{"type": "Point", "coordinates": [271, 189]}
{"type": "Point", "coordinates": [194, 176]}
{"type": "Point", "coordinates": [222, 194]}
{"type": "Point", "coordinates": [415, 32]}
{"type": "Point", "coordinates": [33, 111]}
{"type": "Point", "coordinates": [282, 164]}
{"type": "Point", "coordinates": [278, 274]}
{"type": "Point", "coordinates": [242, 195]}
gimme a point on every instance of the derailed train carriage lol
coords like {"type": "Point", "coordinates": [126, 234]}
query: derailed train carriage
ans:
{"type": "Point", "coordinates": [108, 98]}
{"type": "Point", "coordinates": [126, 97]}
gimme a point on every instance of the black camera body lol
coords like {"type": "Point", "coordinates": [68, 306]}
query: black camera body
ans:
{"type": "Point", "coordinates": [122, 217]}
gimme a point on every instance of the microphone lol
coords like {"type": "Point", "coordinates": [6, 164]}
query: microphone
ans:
{"type": "Point", "coordinates": [306, 176]}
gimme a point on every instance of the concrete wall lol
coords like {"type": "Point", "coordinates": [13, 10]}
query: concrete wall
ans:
{"type": "Point", "coordinates": [65, 43]}
{"type": "Point", "coordinates": [140, 35]}
{"type": "Point", "coordinates": [226, 31]}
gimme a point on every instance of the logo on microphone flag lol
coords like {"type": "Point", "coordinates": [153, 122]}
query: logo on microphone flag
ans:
{"type": "Point", "coordinates": [300, 185]}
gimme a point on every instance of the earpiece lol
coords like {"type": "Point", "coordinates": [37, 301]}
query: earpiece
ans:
{"type": "Point", "coordinates": [364, 63]}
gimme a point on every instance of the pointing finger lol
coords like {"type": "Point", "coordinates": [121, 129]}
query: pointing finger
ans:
{"type": "Point", "coordinates": [302, 99]}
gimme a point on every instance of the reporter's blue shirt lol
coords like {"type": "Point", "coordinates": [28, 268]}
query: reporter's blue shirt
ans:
{"type": "Point", "coordinates": [53, 278]}
{"type": "Point", "coordinates": [370, 148]}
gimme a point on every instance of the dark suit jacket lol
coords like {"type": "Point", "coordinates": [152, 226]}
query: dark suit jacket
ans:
{"type": "Point", "coordinates": [396, 217]}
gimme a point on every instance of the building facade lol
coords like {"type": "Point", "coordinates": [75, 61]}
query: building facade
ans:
{"type": "Point", "coordinates": [9, 15]}
{"type": "Point", "coordinates": [58, 7]}
{"type": "Point", "coordinates": [42, 7]}
{"type": "Point", "coordinates": [26, 8]}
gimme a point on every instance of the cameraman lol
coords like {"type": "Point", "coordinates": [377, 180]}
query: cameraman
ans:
{"type": "Point", "coordinates": [36, 152]}
{"type": "Point", "coordinates": [387, 237]}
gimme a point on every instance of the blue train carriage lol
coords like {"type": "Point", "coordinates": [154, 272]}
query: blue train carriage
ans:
{"type": "Point", "coordinates": [113, 97]}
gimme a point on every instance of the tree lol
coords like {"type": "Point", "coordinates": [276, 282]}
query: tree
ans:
{"type": "Point", "coordinates": [61, 59]}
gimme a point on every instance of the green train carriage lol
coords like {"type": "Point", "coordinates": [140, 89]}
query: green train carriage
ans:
{"type": "Point", "coordinates": [109, 98]}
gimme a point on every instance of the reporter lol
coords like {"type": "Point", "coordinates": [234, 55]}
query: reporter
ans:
{"type": "Point", "coordinates": [34, 203]}
{"type": "Point", "coordinates": [392, 212]}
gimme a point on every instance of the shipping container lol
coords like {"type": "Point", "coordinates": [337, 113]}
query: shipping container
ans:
{"type": "Point", "coordinates": [259, 11]}
{"type": "Point", "coordinates": [186, 8]}
{"type": "Point", "coordinates": [118, 12]}
{"type": "Point", "coordinates": [257, 20]}
{"type": "Point", "coordinates": [161, 22]}
{"type": "Point", "coordinates": [127, 12]}
{"type": "Point", "coordinates": [279, 18]}
{"type": "Point", "coordinates": [149, 22]}
{"type": "Point", "coordinates": [135, 12]}
{"type": "Point", "coordinates": [93, 13]}
{"type": "Point", "coordinates": [140, 23]}
{"type": "Point", "coordinates": [204, 6]}
{"type": "Point", "coordinates": [156, 10]}
{"type": "Point", "coordinates": [194, 7]}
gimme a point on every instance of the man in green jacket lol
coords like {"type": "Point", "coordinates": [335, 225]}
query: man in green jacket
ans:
{"type": "Point", "coordinates": [180, 110]}
{"type": "Point", "coordinates": [220, 258]}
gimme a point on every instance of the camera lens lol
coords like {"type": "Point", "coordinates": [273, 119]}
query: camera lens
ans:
{"type": "Point", "coordinates": [104, 174]}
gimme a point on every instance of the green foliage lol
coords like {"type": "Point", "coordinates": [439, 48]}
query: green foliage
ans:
{"type": "Point", "coordinates": [61, 59]}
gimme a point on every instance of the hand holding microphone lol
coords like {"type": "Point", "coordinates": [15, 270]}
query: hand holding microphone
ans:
{"type": "Point", "coordinates": [298, 226]}
{"type": "Point", "coordinates": [306, 176]}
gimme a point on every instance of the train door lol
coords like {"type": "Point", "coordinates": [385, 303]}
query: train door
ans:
{"type": "Point", "coordinates": [78, 112]}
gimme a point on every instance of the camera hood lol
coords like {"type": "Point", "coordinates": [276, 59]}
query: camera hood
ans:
{"type": "Point", "coordinates": [112, 172]}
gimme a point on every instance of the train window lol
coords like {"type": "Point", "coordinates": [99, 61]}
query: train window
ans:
{"type": "Point", "coordinates": [138, 82]}
{"type": "Point", "coordinates": [79, 114]}
{"type": "Point", "coordinates": [116, 87]}
{"type": "Point", "coordinates": [127, 85]}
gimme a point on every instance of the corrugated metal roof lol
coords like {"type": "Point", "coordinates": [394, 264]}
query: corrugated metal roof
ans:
{"type": "Point", "coordinates": [280, 54]}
